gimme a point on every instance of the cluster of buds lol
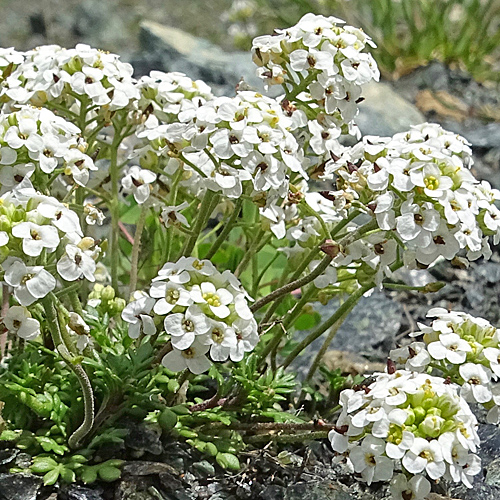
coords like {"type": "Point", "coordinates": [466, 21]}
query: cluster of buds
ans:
{"type": "Point", "coordinates": [103, 299]}
{"type": "Point", "coordinates": [412, 420]}
{"type": "Point", "coordinates": [204, 311]}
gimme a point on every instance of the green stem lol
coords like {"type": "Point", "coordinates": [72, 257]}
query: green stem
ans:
{"type": "Point", "coordinates": [313, 253]}
{"type": "Point", "coordinates": [331, 321]}
{"type": "Point", "coordinates": [293, 285]}
{"type": "Point", "coordinates": [136, 247]}
{"type": "Point", "coordinates": [200, 222]}
{"type": "Point", "coordinates": [257, 243]}
{"type": "Point", "coordinates": [88, 395]}
{"type": "Point", "coordinates": [299, 437]}
{"type": "Point", "coordinates": [287, 321]}
{"type": "Point", "coordinates": [115, 210]}
{"type": "Point", "coordinates": [299, 283]}
{"type": "Point", "coordinates": [333, 331]}
{"type": "Point", "coordinates": [227, 229]}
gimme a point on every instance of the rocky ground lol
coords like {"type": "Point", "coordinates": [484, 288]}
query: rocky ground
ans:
{"type": "Point", "coordinates": [170, 471]}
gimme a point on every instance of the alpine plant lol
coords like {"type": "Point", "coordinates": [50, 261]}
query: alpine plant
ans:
{"type": "Point", "coordinates": [84, 144]}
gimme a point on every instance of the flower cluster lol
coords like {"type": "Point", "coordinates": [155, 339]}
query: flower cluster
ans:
{"type": "Point", "coordinates": [234, 142]}
{"type": "Point", "coordinates": [419, 187]}
{"type": "Point", "coordinates": [411, 419]}
{"type": "Point", "coordinates": [38, 233]}
{"type": "Point", "coordinates": [68, 77]}
{"type": "Point", "coordinates": [465, 348]}
{"type": "Point", "coordinates": [171, 97]}
{"type": "Point", "coordinates": [34, 139]}
{"type": "Point", "coordinates": [205, 311]}
{"type": "Point", "coordinates": [324, 63]}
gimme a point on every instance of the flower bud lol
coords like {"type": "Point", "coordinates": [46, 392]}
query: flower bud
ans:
{"type": "Point", "coordinates": [420, 414]}
{"type": "Point", "coordinates": [117, 305]}
{"type": "Point", "coordinates": [431, 426]}
{"type": "Point", "coordinates": [5, 224]}
{"type": "Point", "coordinates": [19, 215]}
{"type": "Point", "coordinates": [108, 293]}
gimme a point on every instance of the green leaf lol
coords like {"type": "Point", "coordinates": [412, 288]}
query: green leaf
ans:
{"type": "Point", "coordinates": [282, 417]}
{"type": "Point", "coordinates": [42, 465]}
{"type": "Point", "coordinates": [211, 449]}
{"type": "Point", "coordinates": [88, 474]}
{"type": "Point", "coordinates": [228, 461]}
{"type": "Point", "coordinates": [68, 475]}
{"type": "Point", "coordinates": [307, 321]}
{"type": "Point", "coordinates": [51, 477]}
{"type": "Point", "coordinates": [109, 474]}
{"type": "Point", "coordinates": [167, 419]}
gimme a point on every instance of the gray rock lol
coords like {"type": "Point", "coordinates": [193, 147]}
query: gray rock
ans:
{"type": "Point", "coordinates": [371, 327]}
{"type": "Point", "coordinates": [493, 473]}
{"type": "Point", "coordinates": [321, 490]}
{"type": "Point", "coordinates": [19, 486]}
{"type": "Point", "coordinates": [144, 439]}
{"type": "Point", "coordinates": [170, 49]}
{"type": "Point", "coordinates": [384, 112]}
{"type": "Point", "coordinates": [480, 136]}
{"type": "Point", "coordinates": [7, 456]}
{"type": "Point", "coordinates": [148, 468]}
{"type": "Point", "coordinates": [274, 492]}
{"type": "Point", "coordinates": [204, 468]}
{"type": "Point", "coordinates": [75, 492]}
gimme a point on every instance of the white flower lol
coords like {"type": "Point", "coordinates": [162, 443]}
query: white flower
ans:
{"type": "Point", "coordinates": [301, 60]}
{"type": "Point", "coordinates": [171, 216]}
{"type": "Point", "coordinates": [425, 455]}
{"type": "Point", "coordinates": [217, 300]}
{"type": "Point", "coordinates": [193, 358]}
{"type": "Point", "coordinates": [29, 283]}
{"type": "Point", "coordinates": [184, 327]}
{"type": "Point", "coordinates": [415, 488]}
{"type": "Point", "coordinates": [369, 461]}
{"type": "Point", "coordinates": [36, 238]}
{"type": "Point", "coordinates": [476, 386]}
{"type": "Point", "coordinates": [451, 347]}
{"type": "Point", "coordinates": [93, 215]}
{"type": "Point", "coordinates": [18, 320]}
{"type": "Point", "coordinates": [138, 181]}
{"type": "Point", "coordinates": [76, 263]}
{"type": "Point", "coordinates": [247, 338]}
{"type": "Point", "coordinates": [222, 338]}
{"type": "Point", "coordinates": [170, 295]}
{"type": "Point", "coordinates": [137, 315]}
{"type": "Point", "coordinates": [61, 217]}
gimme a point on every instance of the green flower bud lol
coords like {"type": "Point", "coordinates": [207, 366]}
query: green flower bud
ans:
{"type": "Point", "coordinates": [19, 215]}
{"type": "Point", "coordinates": [117, 305]}
{"type": "Point", "coordinates": [5, 224]}
{"type": "Point", "coordinates": [482, 225]}
{"type": "Point", "coordinates": [411, 416]}
{"type": "Point", "coordinates": [448, 426]}
{"type": "Point", "coordinates": [12, 119]}
{"type": "Point", "coordinates": [434, 411]}
{"type": "Point", "coordinates": [420, 414]}
{"type": "Point", "coordinates": [447, 406]}
{"type": "Point", "coordinates": [431, 426]}
{"type": "Point", "coordinates": [108, 293]}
